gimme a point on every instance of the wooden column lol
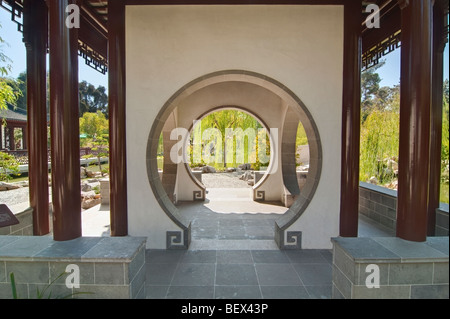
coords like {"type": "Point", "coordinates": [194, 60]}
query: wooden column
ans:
{"type": "Point", "coordinates": [12, 140]}
{"type": "Point", "coordinates": [117, 118]}
{"type": "Point", "coordinates": [65, 150]}
{"type": "Point", "coordinates": [415, 103]}
{"type": "Point", "coordinates": [35, 31]}
{"type": "Point", "coordinates": [439, 40]}
{"type": "Point", "coordinates": [351, 120]}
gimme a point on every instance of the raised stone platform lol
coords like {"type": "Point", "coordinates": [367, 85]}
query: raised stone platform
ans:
{"type": "Point", "coordinates": [390, 268]}
{"type": "Point", "coordinates": [109, 267]}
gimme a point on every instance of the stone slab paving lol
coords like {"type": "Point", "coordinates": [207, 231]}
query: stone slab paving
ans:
{"type": "Point", "coordinates": [238, 274]}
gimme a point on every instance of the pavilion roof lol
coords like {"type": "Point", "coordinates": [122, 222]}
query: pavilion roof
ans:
{"type": "Point", "coordinates": [93, 33]}
{"type": "Point", "coordinates": [17, 115]}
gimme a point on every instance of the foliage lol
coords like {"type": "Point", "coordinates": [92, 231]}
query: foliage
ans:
{"type": "Point", "coordinates": [370, 85]}
{"type": "Point", "coordinates": [94, 125]}
{"type": "Point", "coordinates": [445, 135]}
{"type": "Point", "coordinates": [379, 146]}
{"type": "Point", "coordinates": [101, 148]}
{"type": "Point", "coordinates": [8, 165]}
{"type": "Point", "coordinates": [380, 108]}
{"type": "Point", "coordinates": [92, 99]}
{"type": "Point", "coordinates": [7, 94]}
{"type": "Point", "coordinates": [19, 90]}
{"type": "Point", "coordinates": [212, 132]}
{"type": "Point", "coordinates": [380, 119]}
{"type": "Point", "coordinates": [41, 294]}
{"type": "Point", "coordinates": [96, 128]}
{"type": "Point", "coordinates": [301, 138]}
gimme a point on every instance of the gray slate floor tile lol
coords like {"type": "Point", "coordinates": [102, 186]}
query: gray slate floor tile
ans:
{"type": "Point", "coordinates": [284, 292]}
{"type": "Point", "coordinates": [190, 292]}
{"type": "Point", "coordinates": [234, 257]}
{"type": "Point", "coordinates": [236, 274]}
{"type": "Point", "coordinates": [237, 292]}
{"type": "Point", "coordinates": [194, 275]}
{"type": "Point", "coordinates": [314, 274]}
{"type": "Point", "coordinates": [277, 275]}
{"type": "Point", "coordinates": [269, 256]}
{"type": "Point", "coordinates": [199, 256]}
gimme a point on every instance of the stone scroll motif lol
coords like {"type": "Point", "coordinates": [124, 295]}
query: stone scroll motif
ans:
{"type": "Point", "coordinates": [199, 195]}
{"type": "Point", "coordinates": [260, 196]}
{"type": "Point", "coordinates": [175, 240]}
{"type": "Point", "coordinates": [293, 240]}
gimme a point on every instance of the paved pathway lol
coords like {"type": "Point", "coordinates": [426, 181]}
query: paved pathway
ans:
{"type": "Point", "coordinates": [238, 274]}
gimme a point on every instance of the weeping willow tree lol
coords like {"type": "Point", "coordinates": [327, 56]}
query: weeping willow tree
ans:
{"type": "Point", "coordinates": [379, 146]}
{"type": "Point", "coordinates": [228, 137]}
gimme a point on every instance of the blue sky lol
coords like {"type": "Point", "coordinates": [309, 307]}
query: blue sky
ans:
{"type": "Point", "coordinates": [15, 50]}
{"type": "Point", "coordinates": [389, 73]}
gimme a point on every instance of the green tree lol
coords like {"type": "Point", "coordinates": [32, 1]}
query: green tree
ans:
{"type": "Point", "coordinates": [445, 134]}
{"type": "Point", "coordinates": [7, 94]}
{"type": "Point", "coordinates": [379, 146]}
{"type": "Point", "coordinates": [100, 146]}
{"type": "Point", "coordinates": [221, 121]}
{"type": "Point", "coordinates": [8, 165]}
{"type": "Point", "coordinates": [94, 125]}
{"type": "Point", "coordinates": [370, 87]}
{"type": "Point", "coordinates": [92, 99]}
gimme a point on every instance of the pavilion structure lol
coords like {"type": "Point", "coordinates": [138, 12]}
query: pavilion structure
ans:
{"type": "Point", "coordinates": [13, 119]}
{"type": "Point", "coordinates": [109, 39]}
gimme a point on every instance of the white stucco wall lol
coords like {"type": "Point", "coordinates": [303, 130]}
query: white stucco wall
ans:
{"type": "Point", "coordinates": [169, 46]}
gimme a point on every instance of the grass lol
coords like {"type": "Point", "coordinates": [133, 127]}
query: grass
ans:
{"type": "Point", "coordinates": [18, 178]}
{"type": "Point", "coordinates": [24, 177]}
{"type": "Point", "coordinates": [95, 168]}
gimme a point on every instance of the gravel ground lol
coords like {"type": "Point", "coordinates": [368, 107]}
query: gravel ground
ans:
{"type": "Point", "coordinates": [224, 180]}
{"type": "Point", "coordinates": [210, 180]}
{"type": "Point", "coordinates": [14, 196]}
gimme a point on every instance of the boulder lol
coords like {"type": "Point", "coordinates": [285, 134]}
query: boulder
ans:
{"type": "Point", "coordinates": [91, 174]}
{"type": "Point", "coordinates": [87, 195]}
{"type": "Point", "coordinates": [208, 169]}
{"type": "Point", "coordinates": [83, 172]}
{"type": "Point", "coordinates": [246, 176]}
{"type": "Point", "coordinates": [245, 167]}
{"type": "Point", "coordinates": [85, 187]}
{"type": "Point", "coordinates": [89, 203]}
{"type": "Point", "coordinates": [7, 186]}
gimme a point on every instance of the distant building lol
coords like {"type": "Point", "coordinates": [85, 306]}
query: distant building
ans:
{"type": "Point", "coordinates": [13, 129]}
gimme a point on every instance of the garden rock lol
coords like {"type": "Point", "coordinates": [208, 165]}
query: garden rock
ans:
{"type": "Point", "coordinates": [246, 176]}
{"type": "Point", "coordinates": [83, 172]}
{"type": "Point", "coordinates": [208, 169]}
{"type": "Point", "coordinates": [245, 167]}
{"type": "Point", "coordinates": [7, 186]}
{"type": "Point", "coordinates": [86, 187]}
